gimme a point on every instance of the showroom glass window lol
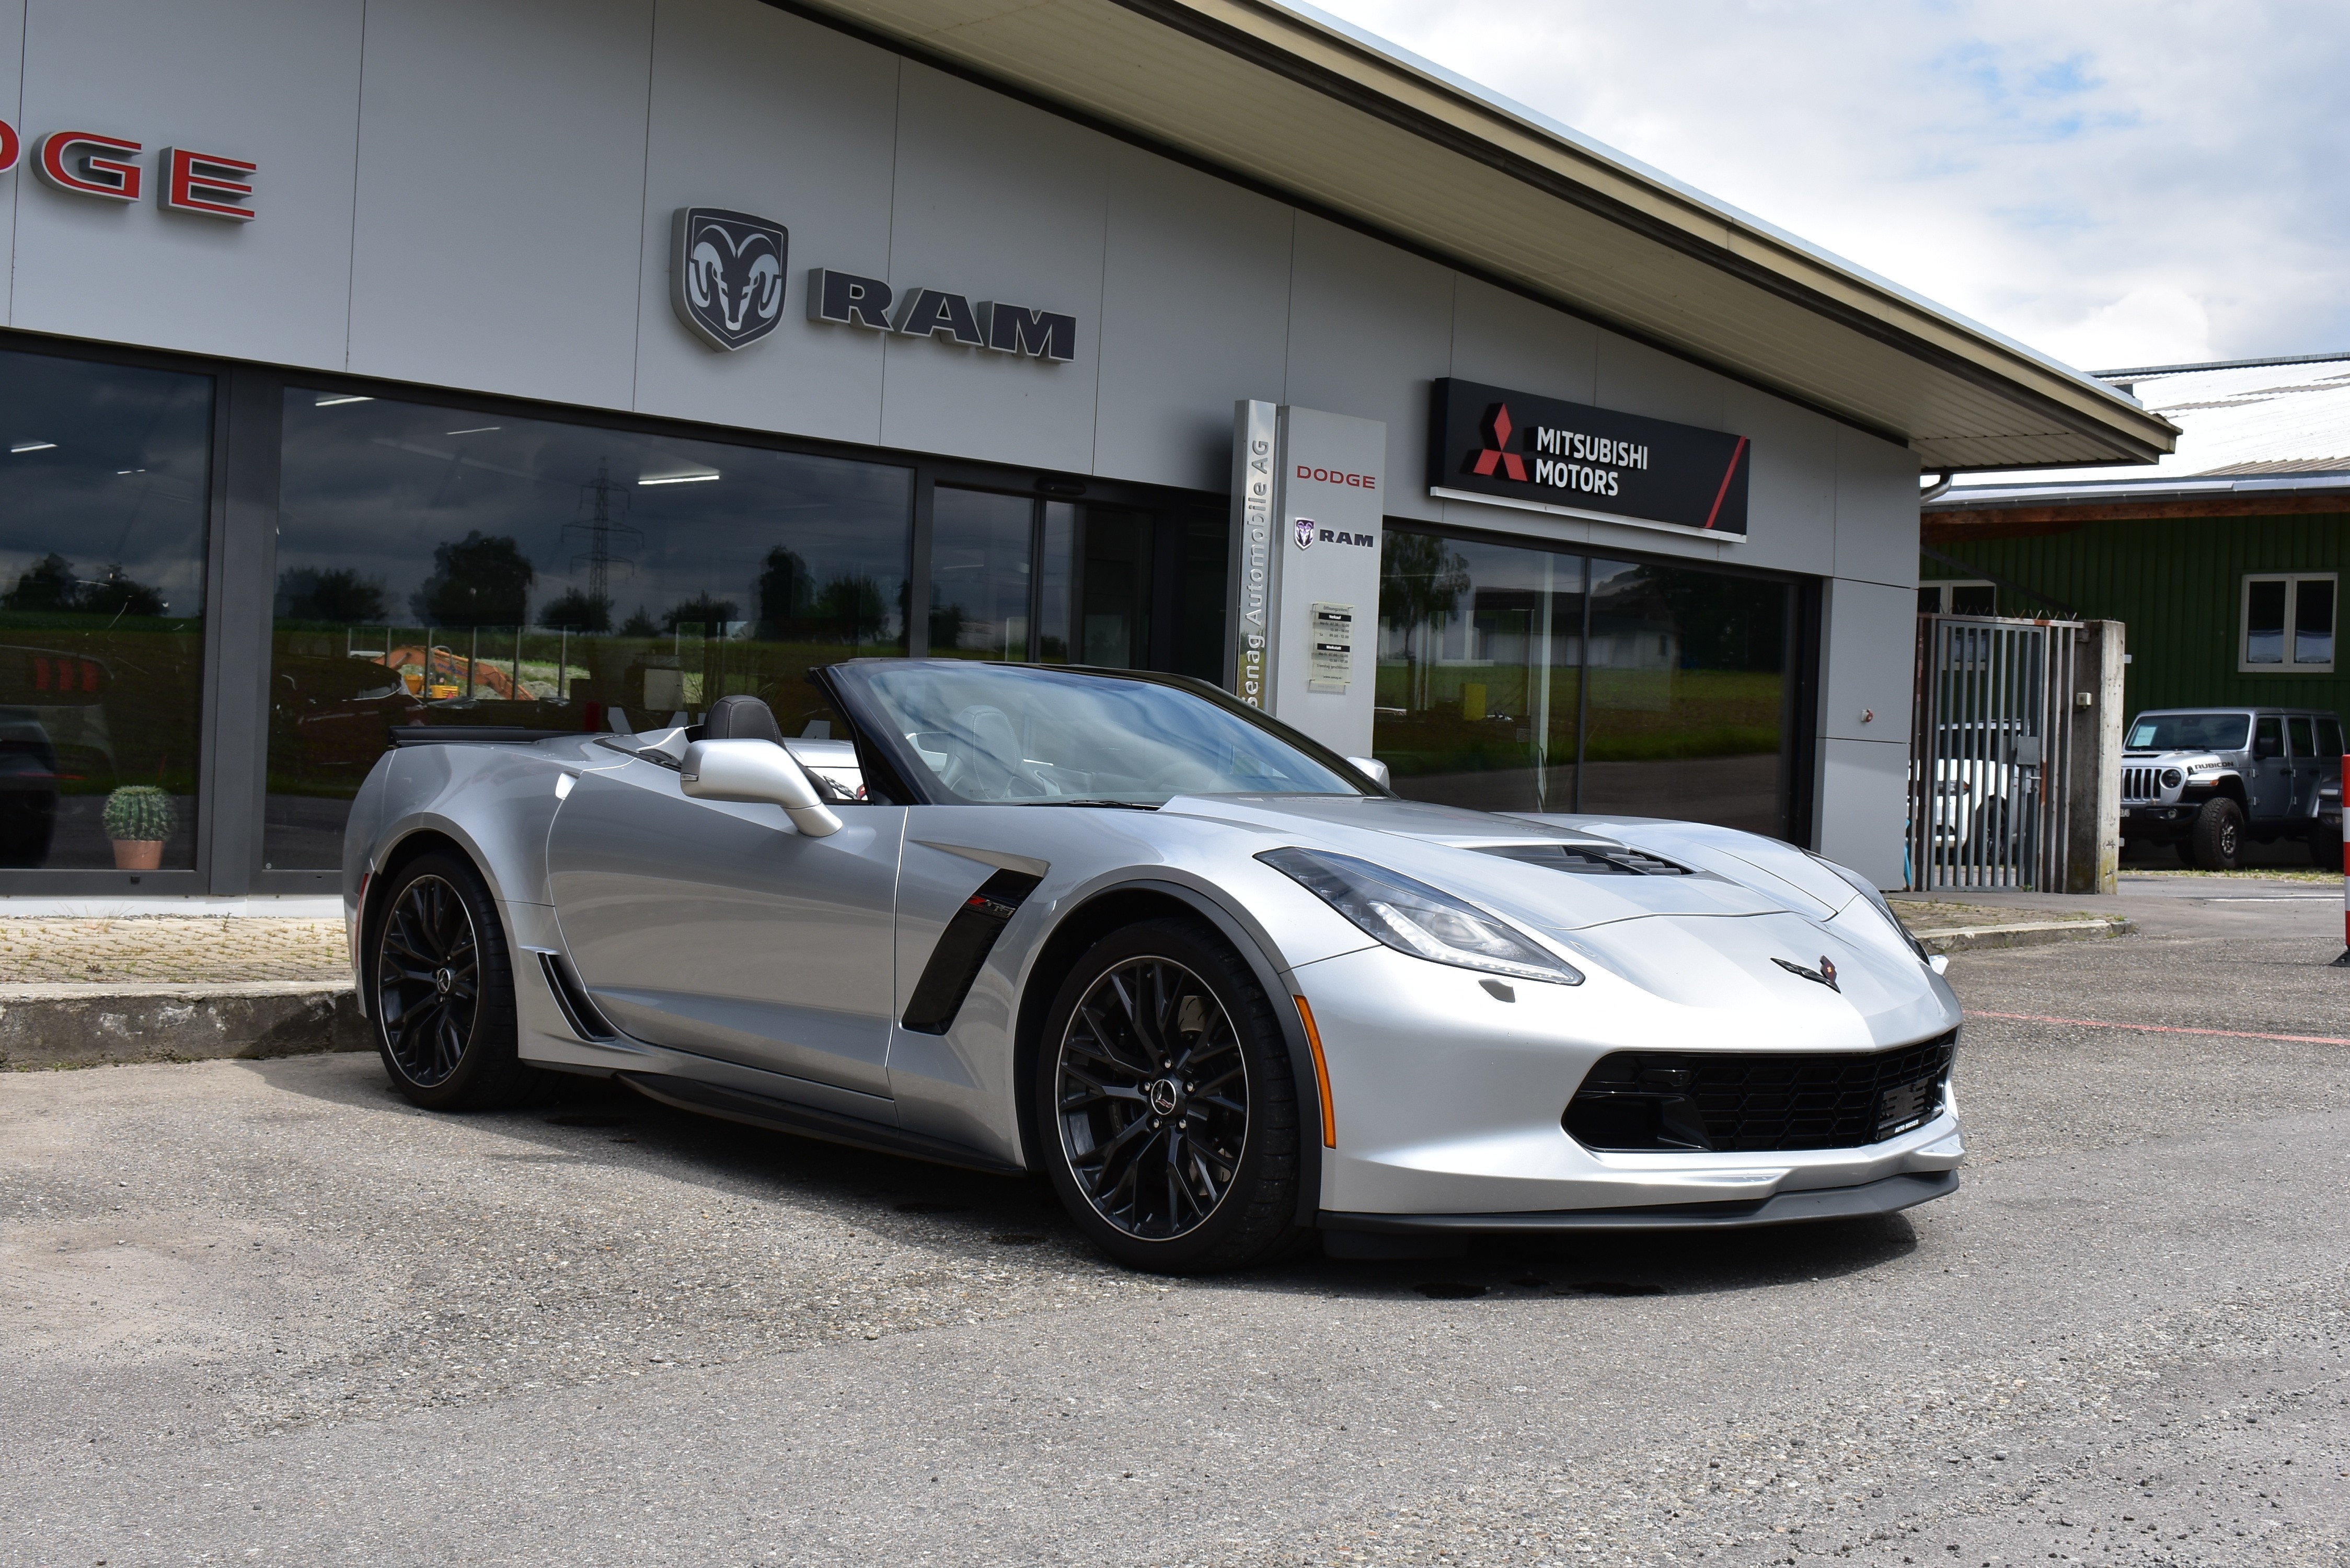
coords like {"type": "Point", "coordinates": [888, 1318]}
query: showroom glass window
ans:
{"type": "Point", "coordinates": [1512, 678]}
{"type": "Point", "coordinates": [1022, 578]}
{"type": "Point", "coordinates": [104, 494]}
{"type": "Point", "coordinates": [436, 566]}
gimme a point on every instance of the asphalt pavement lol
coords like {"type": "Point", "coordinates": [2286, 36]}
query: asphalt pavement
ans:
{"type": "Point", "coordinates": [263, 1312]}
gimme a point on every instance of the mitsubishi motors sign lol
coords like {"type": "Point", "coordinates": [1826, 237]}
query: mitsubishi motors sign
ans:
{"type": "Point", "coordinates": [1514, 449]}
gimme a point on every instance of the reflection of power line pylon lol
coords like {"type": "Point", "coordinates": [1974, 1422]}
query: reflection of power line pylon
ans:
{"type": "Point", "coordinates": [601, 529]}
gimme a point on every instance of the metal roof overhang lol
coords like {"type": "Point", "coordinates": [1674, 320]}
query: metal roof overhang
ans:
{"type": "Point", "coordinates": [1304, 106]}
{"type": "Point", "coordinates": [1985, 511]}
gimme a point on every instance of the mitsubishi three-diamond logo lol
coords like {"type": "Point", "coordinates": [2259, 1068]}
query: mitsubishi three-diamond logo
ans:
{"type": "Point", "coordinates": [1496, 452]}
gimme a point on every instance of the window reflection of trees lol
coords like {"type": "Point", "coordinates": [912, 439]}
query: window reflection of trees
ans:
{"type": "Point", "coordinates": [1494, 694]}
{"type": "Point", "coordinates": [551, 576]}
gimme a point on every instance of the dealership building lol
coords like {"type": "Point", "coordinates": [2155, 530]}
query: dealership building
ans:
{"type": "Point", "coordinates": [374, 363]}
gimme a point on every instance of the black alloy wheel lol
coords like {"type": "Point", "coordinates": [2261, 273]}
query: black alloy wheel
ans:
{"type": "Point", "coordinates": [443, 990]}
{"type": "Point", "coordinates": [429, 982]}
{"type": "Point", "coordinates": [2216, 843]}
{"type": "Point", "coordinates": [1153, 1099]}
{"type": "Point", "coordinates": [1174, 1129]}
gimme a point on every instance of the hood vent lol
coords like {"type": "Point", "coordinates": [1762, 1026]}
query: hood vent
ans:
{"type": "Point", "coordinates": [1586, 859]}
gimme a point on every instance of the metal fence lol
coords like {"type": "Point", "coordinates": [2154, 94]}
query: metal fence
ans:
{"type": "Point", "coordinates": [1991, 727]}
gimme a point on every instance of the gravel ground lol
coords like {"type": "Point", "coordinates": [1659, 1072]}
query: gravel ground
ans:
{"type": "Point", "coordinates": [263, 1311]}
{"type": "Point", "coordinates": [171, 949]}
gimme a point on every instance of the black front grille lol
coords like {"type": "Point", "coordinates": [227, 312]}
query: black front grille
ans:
{"type": "Point", "coordinates": [1757, 1101]}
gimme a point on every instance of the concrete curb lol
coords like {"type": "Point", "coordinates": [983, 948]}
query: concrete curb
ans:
{"type": "Point", "coordinates": [2022, 934]}
{"type": "Point", "coordinates": [87, 1025]}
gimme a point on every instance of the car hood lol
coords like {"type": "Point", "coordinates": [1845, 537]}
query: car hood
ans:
{"type": "Point", "coordinates": [1711, 939]}
{"type": "Point", "coordinates": [2187, 762]}
{"type": "Point", "coordinates": [1455, 850]}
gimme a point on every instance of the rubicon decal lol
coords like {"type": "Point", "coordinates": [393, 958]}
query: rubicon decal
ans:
{"type": "Point", "coordinates": [1514, 449]}
{"type": "Point", "coordinates": [96, 164]}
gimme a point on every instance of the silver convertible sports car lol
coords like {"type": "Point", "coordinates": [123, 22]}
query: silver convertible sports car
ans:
{"type": "Point", "coordinates": [1219, 982]}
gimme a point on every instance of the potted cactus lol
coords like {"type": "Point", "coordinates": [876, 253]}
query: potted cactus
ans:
{"type": "Point", "coordinates": [138, 819]}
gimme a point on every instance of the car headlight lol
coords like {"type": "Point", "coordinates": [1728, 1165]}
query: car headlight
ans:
{"type": "Point", "coordinates": [1414, 918]}
{"type": "Point", "coordinates": [2172, 778]}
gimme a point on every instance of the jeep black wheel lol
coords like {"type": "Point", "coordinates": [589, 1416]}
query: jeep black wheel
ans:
{"type": "Point", "coordinates": [2217, 842]}
{"type": "Point", "coordinates": [1167, 1110]}
{"type": "Point", "coordinates": [442, 988]}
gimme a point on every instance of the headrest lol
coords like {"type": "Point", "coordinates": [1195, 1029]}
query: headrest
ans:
{"type": "Point", "coordinates": [740, 719]}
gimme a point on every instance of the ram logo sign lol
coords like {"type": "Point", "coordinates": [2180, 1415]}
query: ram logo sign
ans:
{"type": "Point", "coordinates": [726, 278]}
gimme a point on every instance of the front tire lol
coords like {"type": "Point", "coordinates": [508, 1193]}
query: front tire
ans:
{"type": "Point", "coordinates": [442, 988]}
{"type": "Point", "coordinates": [1166, 1109]}
{"type": "Point", "coordinates": [2216, 840]}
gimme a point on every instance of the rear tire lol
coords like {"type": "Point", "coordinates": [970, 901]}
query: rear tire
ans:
{"type": "Point", "coordinates": [2216, 841]}
{"type": "Point", "coordinates": [1166, 1109]}
{"type": "Point", "coordinates": [2325, 849]}
{"type": "Point", "coordinates": [441, 986]}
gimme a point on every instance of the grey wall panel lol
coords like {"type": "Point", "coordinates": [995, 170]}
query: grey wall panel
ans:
{"type": "Point", "coordinates": [994, 201]}
{"type": "Point", "coordinates": [1790, 489]}
{"type": "Point", "coordinates": [12, 79]}
{"type": "Point", "coordinates": [764, 112]}
{"type": "Point", "coordinates": [1195, 314]}
{"type": "Point", "coordinates": [1869, 648]}
{"type": "Point", "coordinates": [501, 195]}
{"type": "Point", "coordinates": [1505, 339]}
{"type": "Point", "coordinates": [1639, 380]}
{"type": "Point", "coordinates": [275, 81]}
{"type": "Point", "coordinates": [1876, 510]}
{"type": "Point", "coordinates": [1864, 806]}
{"type": "Point", "coordinates": [1370, 327]}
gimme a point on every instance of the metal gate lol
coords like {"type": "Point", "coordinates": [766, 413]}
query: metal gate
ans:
{"type": "Point", "coordinates": [1991, 726]}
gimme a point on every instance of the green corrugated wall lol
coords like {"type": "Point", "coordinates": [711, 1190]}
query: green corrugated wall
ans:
{"type": "Point", "coordinates": [2178, 582]}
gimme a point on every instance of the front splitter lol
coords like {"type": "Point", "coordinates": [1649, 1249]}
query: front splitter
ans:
{"type": "Point", "coordinates": [1888, 1195]}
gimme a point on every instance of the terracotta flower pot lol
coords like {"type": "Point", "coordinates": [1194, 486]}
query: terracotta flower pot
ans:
{"type": "Point", "coordinates": [137, 854]}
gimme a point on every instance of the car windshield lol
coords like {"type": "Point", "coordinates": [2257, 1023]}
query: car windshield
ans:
{"type": "Point", "coordinates": [2188, 732]}
{"type": "Point", "coordinates": [1018, 735]}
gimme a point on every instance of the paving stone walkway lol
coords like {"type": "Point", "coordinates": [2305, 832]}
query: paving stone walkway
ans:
{"type": "Point", "coordinates": [170, 948]}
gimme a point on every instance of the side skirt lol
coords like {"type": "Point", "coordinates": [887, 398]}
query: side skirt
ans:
{"type": "Point", "coordinates": [805, 1121]}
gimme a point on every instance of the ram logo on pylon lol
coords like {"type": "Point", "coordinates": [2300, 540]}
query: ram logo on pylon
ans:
{"type": "Point", "coordinates": [726, 276]}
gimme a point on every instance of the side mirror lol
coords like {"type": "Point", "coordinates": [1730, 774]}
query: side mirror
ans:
{"type": "Point", "coordinates": [757, 773]}
{"type": "Point", "coordinates": [1939, 964]}
{"type": "Point", "coordinates": [1372, 769]}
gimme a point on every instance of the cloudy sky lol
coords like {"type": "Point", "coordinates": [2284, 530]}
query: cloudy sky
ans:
{"type": "Point", "coordinates": [2116, 183]}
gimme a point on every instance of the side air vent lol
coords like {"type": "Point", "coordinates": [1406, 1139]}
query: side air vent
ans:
{"type": "Point", "coordinates": [968, 938]}
{"type": "Point", "coordinates": [1587, 859]}
{"type": "Point", "coordinates": [572, 997]}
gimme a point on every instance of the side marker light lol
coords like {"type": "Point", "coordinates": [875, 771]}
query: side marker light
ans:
{"type": "Point", "coordinates": [1321, 1072]}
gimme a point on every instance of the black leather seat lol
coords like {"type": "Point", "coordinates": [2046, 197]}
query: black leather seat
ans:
{"type": "Point", "coordinates": [740, 719]}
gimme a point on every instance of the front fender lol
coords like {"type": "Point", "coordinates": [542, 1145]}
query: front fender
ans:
{"type": "Point", "coordinates": [1256, 948]}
